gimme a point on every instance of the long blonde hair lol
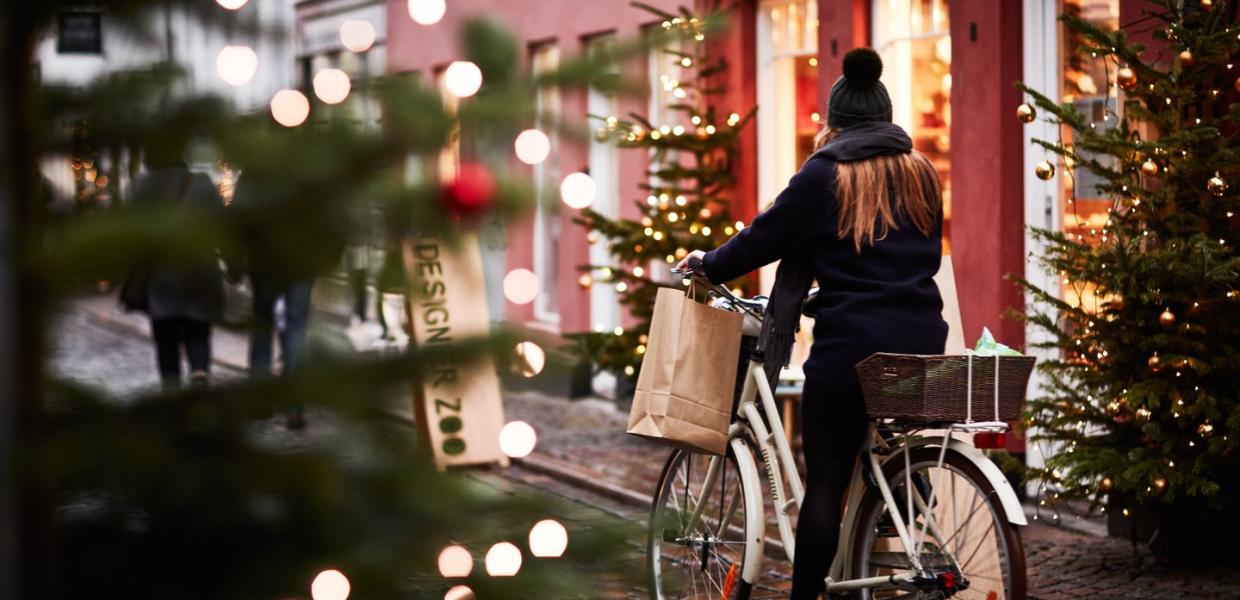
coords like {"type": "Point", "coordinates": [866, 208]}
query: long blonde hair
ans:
{"type": "Point", "coordinates": [873, 193]}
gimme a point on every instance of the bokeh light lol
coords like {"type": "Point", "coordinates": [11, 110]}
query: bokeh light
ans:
{"type": "Point", "coordinates": [455, 561]}
{"type": "Point", "coordinates": [520, 286]}
{"type": "Point", "coordinates": [548, 539]}
{"type": "Point", "coordinates": [503, 560]}
{"type": "Point", "coordinates": [578, 190]}
{"type": "Point", "coordinates": [330, 585]}
{"type": "Point", "coordinates": [528, 359]}
{"type": "Point", "coordinates": [532, 146]}
{"type": "Point", "coordinates": [357, 35]}
{"type": "Point", "coordinates": [517, 440]}
{"type": "Point", "coordinates": [427, 12]}
{"type": "Point", "coordinates": [231, 4]}
{"type": "Point", "coordinates": [459, 592]}
{"type": "Point", "coordinates": [462, 78]}
{"type": "Point", "coordinates": [290, 108]}
{"type": "Point", "coordinates": [236, 64]}
{"type": "Point", "coordinates": [331, 86]}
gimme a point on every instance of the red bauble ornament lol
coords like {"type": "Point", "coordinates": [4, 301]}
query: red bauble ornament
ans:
{"type": "Point", "coordinates": [471, 192]}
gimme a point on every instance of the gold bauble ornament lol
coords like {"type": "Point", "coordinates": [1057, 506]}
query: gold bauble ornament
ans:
{"type": "Point", "coordinates": [1044, 170]}
{"type": "Point", "coordinates": [592, 237]}
{"type": "Point", "coordinates": [1205, 429]}
{"type": "Point", "coordinates": [1167, 318]}
{"type": "Point", "coordinates": [1216, 185]}
{"type": "Point", "coordinates": [1180, 363]}
{"type": "Point", "coordinates": [1105, 485]}
{"type": "Point", "coordinates": [1206, 4]}
{"type": "Point", "coordinates": [1186, 58]}
{"type": "Point", "coordinates": [585, 281]}
{"type": "Point", "coordinates": [1236, 84]}
{"type": "Point", "coordinates": [1155, 363]}
{"type": "Point", "coordinates": [1026, 113]}
{"type": "Point", "coordinates": [1149, 167]}
{"type": "Point", "coordinates": [1160, 485]}
{"type": "Point", "coordinates": [1116, 303]}
{"type": "Point", "coordinates": [1126, 78]}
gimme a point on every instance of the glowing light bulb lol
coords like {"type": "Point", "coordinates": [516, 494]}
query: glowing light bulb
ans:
{"type": "Point", "coordinates": [236, 64]}
{"type": "Point", "coordinates": [455, 561]}
{"type": "Point", "coordinates": [532, 146]}
{"type": "Point", "coordinates": [426, 12]}
{"type": "Point", "coordinates": [528, 359]}
{"type": "Point", "coordinates": [357, 35]}
{"type": "Point", "coordinates": [459, 592]}
{"type": "Point", "coordinates": [517, 440]}
{"type": "Point", "coordinates": [503, 560]}
{"type": "Point", "coordinates": [330, 585]}
{"type": "Point", "coordinates": [520, 286]}
{"type": "Point", "coordinates": [290, 108]}
{"type": "Point", "coordinates": [231, 4]}
{"type": "Point", "coordinates": [578, 190]}
{"type": "Point", "coordinates": [548, 539]}
{"type": "Point", "coordinates": [331, 86]}
{"type": "Point", "coordinates": [462, 78]}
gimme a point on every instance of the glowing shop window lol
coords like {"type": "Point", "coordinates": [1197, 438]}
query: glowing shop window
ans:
{"type": "Point", "coordinates": [914, 40]}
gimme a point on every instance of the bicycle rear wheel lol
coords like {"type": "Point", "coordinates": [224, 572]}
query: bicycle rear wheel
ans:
{"type": "Point", "coordinates": [974, 533]}
{"type": "Point", "coordinates": [702, 555]}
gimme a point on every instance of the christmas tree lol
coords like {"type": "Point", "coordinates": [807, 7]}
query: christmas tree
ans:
{"type": "Point", "coordinates": [1140, 401]}
{"type": "Point", "coordinates": [193, 493]}
{"type": "Point", "coordinates": [684, 203]}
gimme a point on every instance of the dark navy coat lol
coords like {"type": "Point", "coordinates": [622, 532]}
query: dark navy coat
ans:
{"type": "Point", "coordinates": [882, 299]}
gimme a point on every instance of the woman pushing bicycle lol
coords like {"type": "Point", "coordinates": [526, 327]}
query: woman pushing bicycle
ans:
{"type": "Point", "coordinates": [863, 217]}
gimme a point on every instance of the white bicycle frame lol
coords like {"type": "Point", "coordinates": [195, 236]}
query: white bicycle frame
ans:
{"type": "Point", "coordinates": [757, 409]}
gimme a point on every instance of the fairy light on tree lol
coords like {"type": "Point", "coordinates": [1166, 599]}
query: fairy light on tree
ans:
{"type": "Point", "coordinates": [462, 78]}
{"type": "Point", "coordinates": [290, 108]}
{"type": "Point", "coordinates": [236, 65]}
{"type": "Point", "coordinates": [426, 12]}
{"type": "Point", "coordinates": [331, 86]}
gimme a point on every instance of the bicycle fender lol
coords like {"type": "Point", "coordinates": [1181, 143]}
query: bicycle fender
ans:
{"type": "Point", "coordinates": [754, 509]}
{"type": "Point", "coordinates": [1007, 496]}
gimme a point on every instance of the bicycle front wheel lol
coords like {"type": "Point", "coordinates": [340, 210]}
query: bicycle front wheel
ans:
{"type": "Point", "coordinates": [971, 536]}
{"type": "Point", "coordinates": [697, 539]}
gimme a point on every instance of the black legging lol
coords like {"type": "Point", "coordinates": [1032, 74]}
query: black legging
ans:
{"type": "Point", "coordinates": [833, 427]}
{"type": "Point", "coordinates": [171, 335]}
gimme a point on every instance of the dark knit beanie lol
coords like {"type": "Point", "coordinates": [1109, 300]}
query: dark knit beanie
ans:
{"type": "Point", "coordinates": [858, 96]}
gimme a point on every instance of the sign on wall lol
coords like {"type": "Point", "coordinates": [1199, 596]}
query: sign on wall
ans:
{"type": "Point", "coordinates": [457, 402]}
{"type": "Point", "coordinates": [79, 32]}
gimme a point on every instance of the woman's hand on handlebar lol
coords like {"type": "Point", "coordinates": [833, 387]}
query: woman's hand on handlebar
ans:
{"type": "Point", "coordinates": [691, 263]}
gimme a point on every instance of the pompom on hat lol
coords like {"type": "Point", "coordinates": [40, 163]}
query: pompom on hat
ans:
{"type": "Point", "coordinates": [858, 96]}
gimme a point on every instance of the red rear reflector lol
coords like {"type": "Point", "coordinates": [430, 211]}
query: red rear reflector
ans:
{"type": "Point", "coordinates": [729, 582]}
{"type": "Point", "coordinates": [949, 580]}
{"type": "Point", "coordinates": [992, 595]}
{"type": "Point", "coordinates": [989, 440]}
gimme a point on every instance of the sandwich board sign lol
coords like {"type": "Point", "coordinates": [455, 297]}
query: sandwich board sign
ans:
{"type": "Point", "coordinates": [457, 402]}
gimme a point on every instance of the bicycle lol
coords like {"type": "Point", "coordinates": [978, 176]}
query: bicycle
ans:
{"type": "Point", "coordinates": [954, 535]}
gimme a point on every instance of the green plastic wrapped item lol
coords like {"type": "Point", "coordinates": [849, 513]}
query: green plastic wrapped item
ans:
{"type": "Point", "coordinates": [987, 345]}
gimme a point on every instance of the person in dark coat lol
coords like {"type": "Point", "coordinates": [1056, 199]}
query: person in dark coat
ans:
{"type": "Point", "coordinates": [865, 214]}
{"type": "Point", "coordinates": [183, 302]}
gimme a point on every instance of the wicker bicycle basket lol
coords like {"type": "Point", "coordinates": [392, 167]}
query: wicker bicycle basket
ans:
{"type": "Point", "coordinates": [935, 388]}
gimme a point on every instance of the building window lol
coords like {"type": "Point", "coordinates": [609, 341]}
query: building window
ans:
{"type": "Point", "coordinates": [914, 40]}
{"type": "Point", "coordinates": [1086, 84]}
{"type": "Point", "coordinates": [545, 57]}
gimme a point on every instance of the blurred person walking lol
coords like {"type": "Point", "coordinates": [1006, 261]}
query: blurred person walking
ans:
{"type": "Point", "coordinates": [282, 265]}
{"type": "Point", "coordinates": [181, 301]}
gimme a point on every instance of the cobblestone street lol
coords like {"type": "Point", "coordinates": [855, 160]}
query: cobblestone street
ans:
{"type": "Point", "coordinates": [600, 477]}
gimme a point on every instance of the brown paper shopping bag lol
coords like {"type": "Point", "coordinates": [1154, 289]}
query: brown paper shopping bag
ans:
{"type": "Point", "coordinates": [688, 374]}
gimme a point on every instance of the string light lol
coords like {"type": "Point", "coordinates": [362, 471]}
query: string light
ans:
{"type": "Point", "coordinates": [426, 12]}
{"type": "Point", "coordinates": [462, 78]}
{"type": "Point", "coordinates": [330, 585]}
{"type": "Point", "coordinates": [236, 65]}
{"type": "Point", "coordinates": [455, 561]}
{"type": "Point", "coordinates": [331, 86]}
